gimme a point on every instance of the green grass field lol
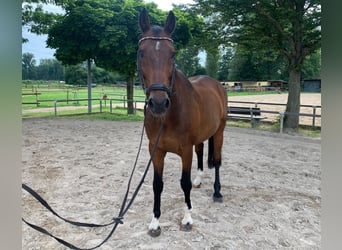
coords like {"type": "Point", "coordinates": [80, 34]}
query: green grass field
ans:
{"type": "Point", "coordinates": [68, 95]}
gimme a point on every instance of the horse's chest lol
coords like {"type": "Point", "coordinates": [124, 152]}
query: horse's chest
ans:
{"type": "Point", "coordinates": [168, 142]}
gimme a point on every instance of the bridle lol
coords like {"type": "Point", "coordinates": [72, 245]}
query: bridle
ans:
{"type": "Point", "coordinates": [156, 86]}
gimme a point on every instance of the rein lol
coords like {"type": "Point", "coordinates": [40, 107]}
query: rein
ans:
{"type": "Point", "coordinates": [123, 210]}
{"type": "Point", "coordinates": [116, 220]}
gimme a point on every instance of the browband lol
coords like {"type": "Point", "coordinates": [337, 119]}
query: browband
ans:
{"type": "Point", "coordinates": [155, 38]}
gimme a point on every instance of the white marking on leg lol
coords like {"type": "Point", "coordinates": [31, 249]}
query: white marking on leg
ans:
{"type": "Point", "coordinates": [187, 216]}
{"type": "Point", "coordinates": [198, 180]}
{"type": "Point", "coordinates": [154, 224]}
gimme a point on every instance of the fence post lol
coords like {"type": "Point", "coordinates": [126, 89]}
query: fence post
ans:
{"type": "Point", "coordinates": [111, 105]}
{"type": "Point", "coordinates": [55, 105]}
{"type": "Point", "coordinates": [124, 100]}
{"type": "Point", "coordinates": [100, 105]}
{"type": "Point", "coordinates": [253, 121]}
{"type": "Point", "coordinates": [281, 121]}
{"type": "Point", "coordinates": [75, 97]}
{"type": "Point", "coordinates": [37, 98]}
{"type": "Point", "coordinates": [313, 115]}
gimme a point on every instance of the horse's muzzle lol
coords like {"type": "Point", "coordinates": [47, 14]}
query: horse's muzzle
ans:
{"type": "Point", "coordinates": [158, 105]}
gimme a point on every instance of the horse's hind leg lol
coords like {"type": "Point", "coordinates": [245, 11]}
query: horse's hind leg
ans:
{"type": "Point", "coordinates": [199, 152]}
{"type": "Point", "coordinates": [211, 152]}
{"type": "Point", "coordinates": [217, 147]}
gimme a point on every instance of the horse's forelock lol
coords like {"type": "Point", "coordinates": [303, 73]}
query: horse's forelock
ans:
{"type": "Point", "coordinates": [156, 30]}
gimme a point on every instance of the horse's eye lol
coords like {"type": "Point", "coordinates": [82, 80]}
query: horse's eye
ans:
{"type": "Point", "coordinates": [173, 56]}
{"type": "Point", "coordinates": [141, 53]}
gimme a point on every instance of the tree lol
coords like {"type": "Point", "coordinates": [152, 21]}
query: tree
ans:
{"type": "Point", "coordinates": [188, 61]}
{"type": "Point", "coordinates": [119, 44]}
{"type": "Point", "coordinates": [226, 55]}
{"type": "Point", "coordinates": [256, 65]}
{"type": "Point", "coordinates": [77, 35]}
{"type": "Point", "coordinates": [211, 63]}
{"type": "Point", "coordinates": [106, 31]}
{"type": "Point", "coordinates": [50, 69]}
{"type": "Point", "coordinates": [35, 18]}
{"type": "Point", "coordinates": [312, 66]}
{"type": "Point", "coordinates": [290, 28]}
{"type": "Point", "coordinates": [28, 66]}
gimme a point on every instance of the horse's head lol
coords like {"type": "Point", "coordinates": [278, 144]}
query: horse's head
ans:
{"type": "Point", "coordinates": [156, 62]}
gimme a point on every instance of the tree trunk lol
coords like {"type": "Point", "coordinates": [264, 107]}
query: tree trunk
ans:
{"type": "Point", "coordinates": [291, 122]}
{"type": "Point", "coordinates": [89, 84]}
{"type": "Point", "coordinates": [130, 108]}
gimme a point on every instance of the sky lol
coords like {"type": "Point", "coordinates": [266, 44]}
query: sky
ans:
{"type": "Point", "coordinates": [37, 44]}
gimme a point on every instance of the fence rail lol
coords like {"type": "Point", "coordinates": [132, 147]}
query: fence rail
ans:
{"type": "Point", "coordinates": [283, 113]}
{"type": "Point", "coordinates": [101, 101]}
{"type": "Point", "coordinates": [138, 104]}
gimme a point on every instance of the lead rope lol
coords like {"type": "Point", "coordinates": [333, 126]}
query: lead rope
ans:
{"type": "Point", "coordinates": [117, 220]}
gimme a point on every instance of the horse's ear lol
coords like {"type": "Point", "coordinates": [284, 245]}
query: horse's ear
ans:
{"type": "Point", "coordinates": [170, 23]}
{"type": "Point", "coordinates": [144, 21]}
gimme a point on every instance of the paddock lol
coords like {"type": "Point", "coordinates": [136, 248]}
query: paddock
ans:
{"type": "Point", "coordinates": [270, 185]}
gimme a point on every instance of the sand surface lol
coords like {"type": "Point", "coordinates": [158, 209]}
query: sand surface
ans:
{"type": "Point", "coordinates": [270, 183]}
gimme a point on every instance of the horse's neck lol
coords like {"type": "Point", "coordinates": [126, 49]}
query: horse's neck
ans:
{"type": "Point", "coordinates": [182, 85]}
{"type": "Point", "coordinates": [183, 92]}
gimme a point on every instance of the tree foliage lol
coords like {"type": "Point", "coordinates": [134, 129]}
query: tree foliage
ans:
{"type": "Point", "coordinates": [76, 36]}
{"type": "Point", "coordinates": [188, 61]}
{"type": "Point", "coordinates": [28, 66]}
{"type": "Point", "coordinates": [211, 63]}
{"type": "Point", "coordinates": [36, 19]}
{"type": "Point", "coordinates": [288, 28]}
{"type": "Point", "coordinates": [107, 31]}
{"type": "Point", "coordinates": [48, 69]}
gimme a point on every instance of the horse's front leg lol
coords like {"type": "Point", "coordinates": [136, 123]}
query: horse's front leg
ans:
{"type": "Point", "coordinates": [158, 166]}
{"type": "Point", "coordinates": [186, 185]}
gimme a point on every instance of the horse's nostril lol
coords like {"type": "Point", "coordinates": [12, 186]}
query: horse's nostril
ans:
{"type": "Point", "coordinates": [150, 103]}
{"type": "Point", "coordinates": [167, 103]}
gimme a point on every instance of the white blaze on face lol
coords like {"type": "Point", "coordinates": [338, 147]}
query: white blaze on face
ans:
{"type": "Point", "coordinates": [158, 45]}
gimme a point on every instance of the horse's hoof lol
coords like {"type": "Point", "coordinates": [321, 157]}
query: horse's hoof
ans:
{"type": "Point", "coordinates": [186, 228]}
{"type": "Point", "coordinates": [218, 198]}
{"type": "Point", "coordinates": [154, 232]}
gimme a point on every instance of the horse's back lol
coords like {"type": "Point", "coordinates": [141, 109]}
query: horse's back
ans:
{"type": "Point", "coordinates": [210, 91]}
{"type": "Point", "coordinates": [211, 106]}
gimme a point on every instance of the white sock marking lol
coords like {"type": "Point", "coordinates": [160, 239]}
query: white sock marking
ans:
{"type": "Point", "coordinates": [198, 179]}
{"type": "Point", "coordinates": [154, 224]}
{"type": "Point", "coordinates": [187, 216]}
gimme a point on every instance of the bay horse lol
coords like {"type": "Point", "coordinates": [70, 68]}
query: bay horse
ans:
{"type": "Point", "coordinates": [191, 111]}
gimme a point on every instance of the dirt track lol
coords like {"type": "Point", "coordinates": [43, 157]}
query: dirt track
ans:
{"type": "Point", "coordinates": [270, 183]}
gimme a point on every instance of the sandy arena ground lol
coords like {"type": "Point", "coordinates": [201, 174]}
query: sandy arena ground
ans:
{"type": "Point", "coordinates": [270, 183]}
